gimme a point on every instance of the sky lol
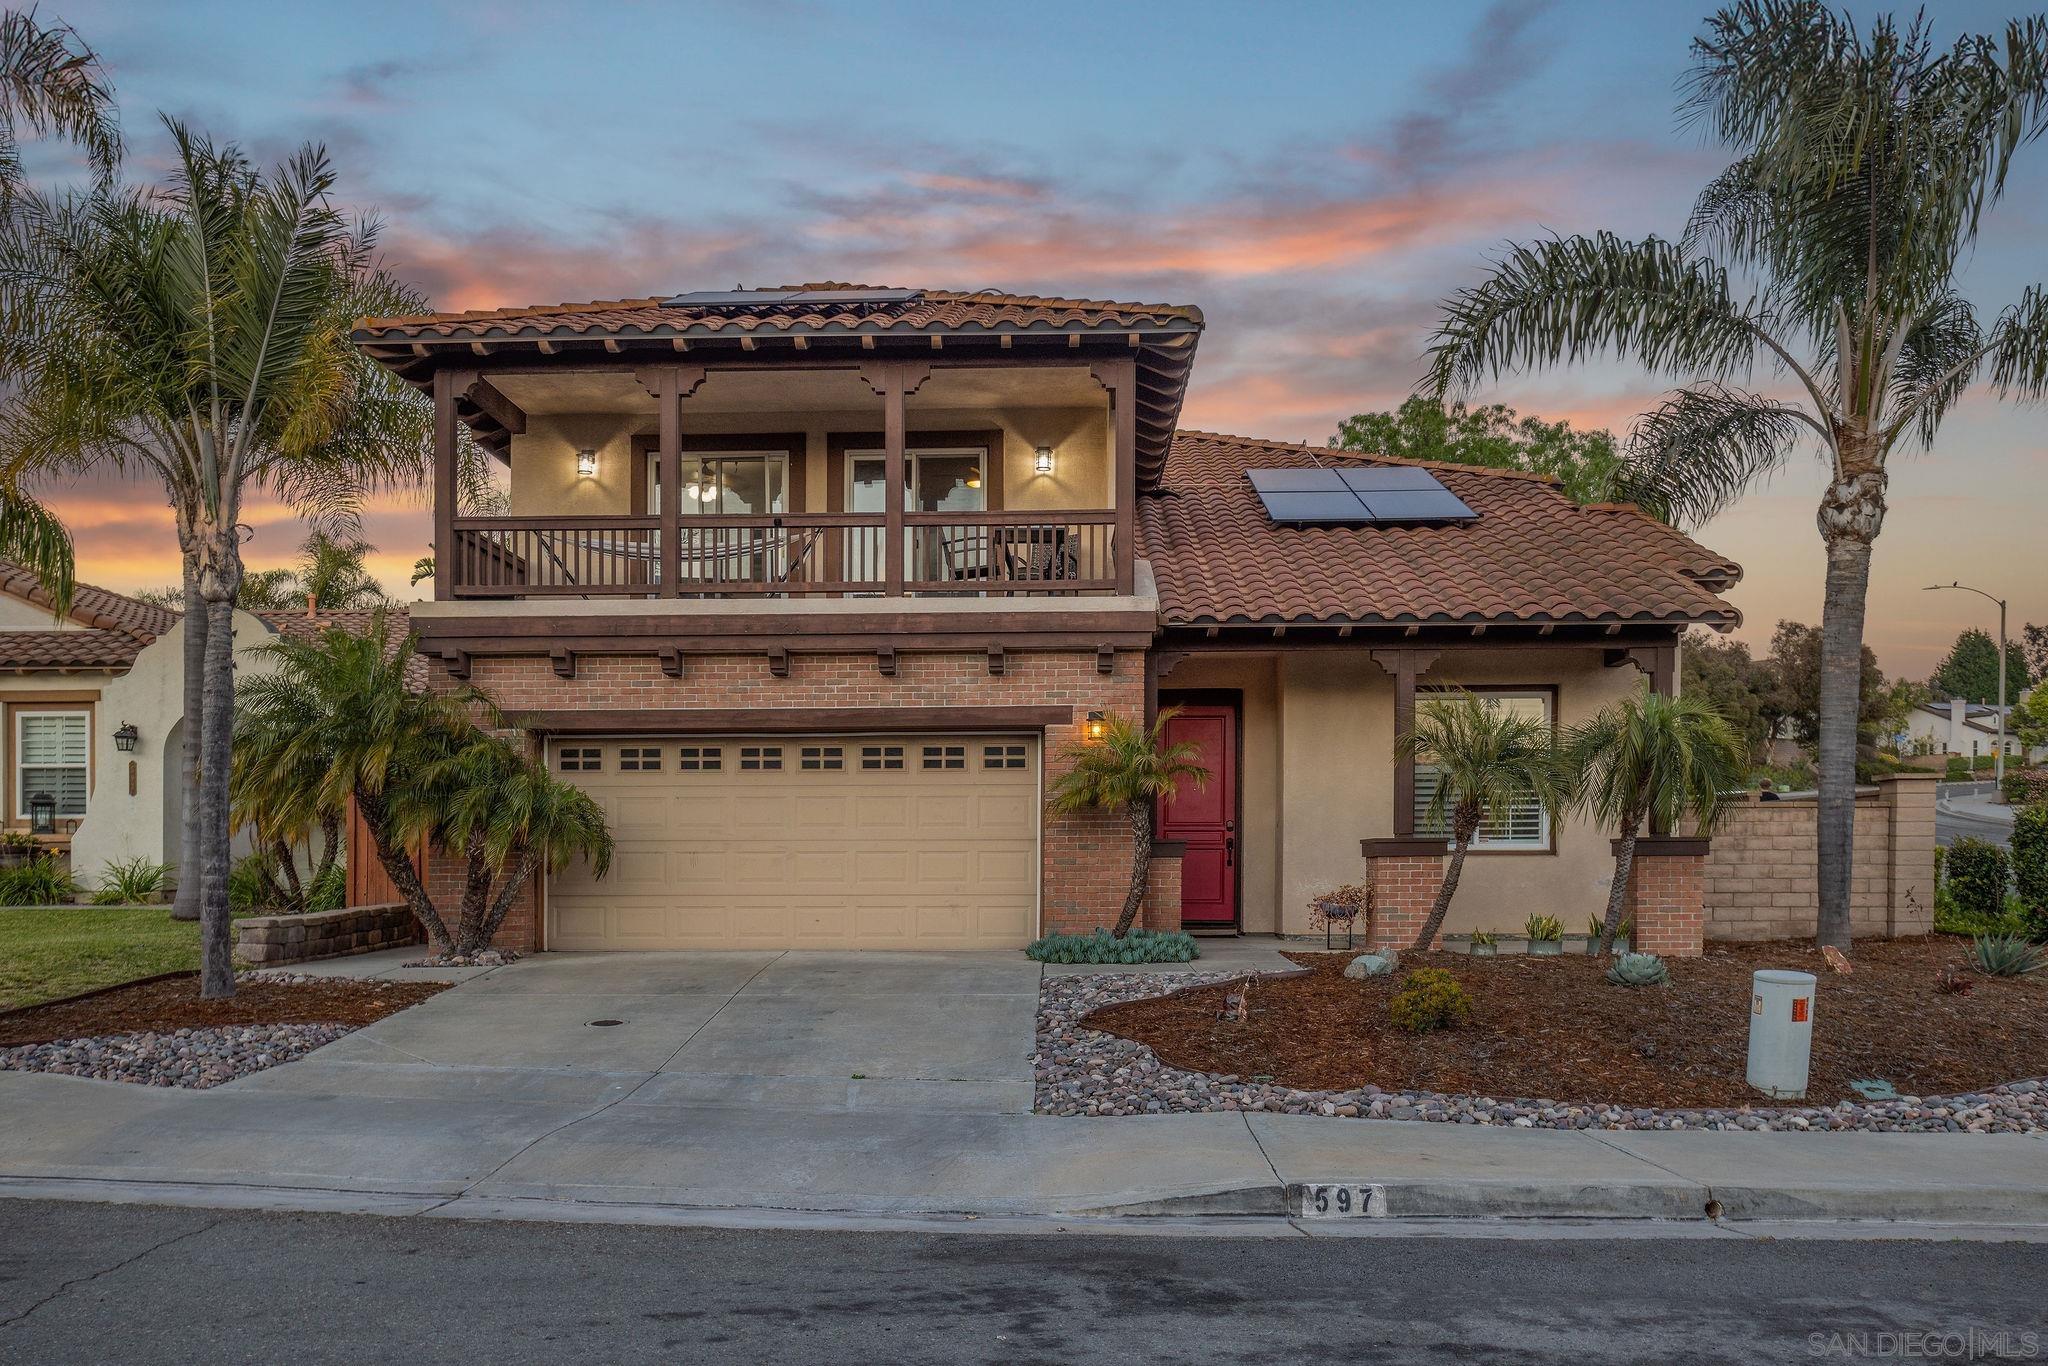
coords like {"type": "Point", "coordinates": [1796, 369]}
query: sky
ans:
{"type": "Point", "coordinates": [1317, 178]}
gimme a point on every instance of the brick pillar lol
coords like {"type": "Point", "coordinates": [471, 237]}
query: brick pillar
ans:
{"type": "Point", "coordinates": [1161, 910]}
{"type": "Point", "coordinates": [1667, 896]}
{"type": "Point", "coordinates": [1908, 801]}
{"type": "Point", "coordinates": [1405, 875]}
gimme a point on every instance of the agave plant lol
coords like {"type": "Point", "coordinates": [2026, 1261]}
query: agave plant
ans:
{"type": "Point", "coordinates": [1639, 970]}
{"type": "Point", "coordinates": [2005, 955]}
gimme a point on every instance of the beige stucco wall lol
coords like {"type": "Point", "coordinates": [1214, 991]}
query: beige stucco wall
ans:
{"type": "Point", "coordinates": [118, 825]}
{"type": "Point", "coordinates": [16, 615]}
{"type": "Point", "coordinates": [1321, 779]}
{"type": "Point", "coordinates": [544, 481]}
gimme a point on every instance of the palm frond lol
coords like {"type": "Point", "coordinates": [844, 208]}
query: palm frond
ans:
{"type": "Point", "coordinates": [2019, 348]}
{"type": "Point", "coordinates": [52, 84]}
{"type": "Point", "coordinates": [1487, 759]}
{"type": "Point", "coordinates": [33, 537]}
{"type": "Point", "coordinates": [1666, 759]}
{"type": "Point", "coordinates": [1128, 763]}
{"type": "Point", "coordinates": [1697, 452]}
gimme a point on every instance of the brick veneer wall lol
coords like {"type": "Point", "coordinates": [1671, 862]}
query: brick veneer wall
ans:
{"type": "Point", "coordinates": [1404, 888]}
{"type": "Point", "coordinates": [1162, 894]}
{"type": "Point", "coordinates": [270, 940]}
{"type": "Point", "coordinates": [1665, 902]}
{"type": "Point", "coordinates": [1085, 867]}
{"type": "Point", "coordinates": [1762, 872]}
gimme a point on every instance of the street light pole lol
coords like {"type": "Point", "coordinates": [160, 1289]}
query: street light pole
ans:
{"type": "Point", "coordinates": [1998, 764]}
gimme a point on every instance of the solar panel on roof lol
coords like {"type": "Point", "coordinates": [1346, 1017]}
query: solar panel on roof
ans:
{"type": "Point", "coordinates": [855, 296]}
{"type": "Point", "coordinates": [713, 298]}
{"type": "Point", "coordinates": [758, 298]}
{"type": "Point", "coordinates": [1356, 497]}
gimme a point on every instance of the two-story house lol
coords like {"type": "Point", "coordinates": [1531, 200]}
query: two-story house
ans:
{"type": "Point", "coordinates": [816, 587]}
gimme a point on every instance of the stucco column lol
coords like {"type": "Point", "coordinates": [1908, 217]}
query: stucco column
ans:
{"type": "Point", "coordinates": [1908, 800]}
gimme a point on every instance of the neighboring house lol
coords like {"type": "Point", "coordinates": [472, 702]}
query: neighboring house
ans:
{"type": "Point", "coordinates": [69, 684]}
{"type": "Point", "coordinates": [814, 588]}
{"type": "Point", "coordinates": [1965, 728]}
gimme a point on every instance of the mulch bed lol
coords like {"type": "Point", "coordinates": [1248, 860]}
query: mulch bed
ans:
{"type": "Point", "coordinates": [1552, 1027]}
{"type": "Point", "coordinates": [161, 1007]}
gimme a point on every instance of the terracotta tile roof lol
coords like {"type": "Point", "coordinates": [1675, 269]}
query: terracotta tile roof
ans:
{"type": "Point", "coordinates": [92, 649]}
{"type": "Point", "coordinates": [1531, 556]}
{"type": "Point", "coordinates": [931, 310]}
{"type": "Point", "coordinates": [94, 606]}
{"type": "Point", "coordinates": [295, 624]}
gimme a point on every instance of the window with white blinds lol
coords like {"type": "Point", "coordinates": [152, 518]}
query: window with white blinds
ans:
{"type": "Point", "coordinates": [1526, 824]}
{"type": "Point", "coordinates": [52, 751]}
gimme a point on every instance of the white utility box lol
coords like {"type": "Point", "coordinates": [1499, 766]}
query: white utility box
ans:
{"type": "Point", "coordinates": [1780, 1032]}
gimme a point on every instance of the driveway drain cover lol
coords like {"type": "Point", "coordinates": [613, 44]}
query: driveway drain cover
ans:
{"type": "Point", "coordinates": [606, 1024]}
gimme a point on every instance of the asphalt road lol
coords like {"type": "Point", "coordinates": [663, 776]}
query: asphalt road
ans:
{"type": "Point", "coordinates": [111, 1283]}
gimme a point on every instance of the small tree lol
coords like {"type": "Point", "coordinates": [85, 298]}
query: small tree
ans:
{"type": "Point", "coordinates": [1652, 757]}
{"type": "Point", "coordinates": [1128, 768]}
{"type": "Point", "coordinates": [277, 790]}
{"type": "Point", "coordinates": [1486, 758]}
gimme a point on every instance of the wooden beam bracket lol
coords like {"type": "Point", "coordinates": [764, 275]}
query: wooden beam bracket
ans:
{"type": "Point", "coordinates": [456, 662]}
{"type": "Point", "coordinates": [671, 661]}
{"type": "Point", "coordinates": [885, 661]}
{"type": "Point", "coordinates": [778, 662]}
{"type": "Point", "coordinates": [998, 663]}
{"type": "Point", "coordinates": [1105, 660]}
{"type": "Point", "coordinates": [564, 662]}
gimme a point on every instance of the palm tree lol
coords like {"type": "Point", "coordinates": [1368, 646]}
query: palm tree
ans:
{"type": "Point", "coordinates": [1486, 759]}
{"type": "Point", "coordinates": [50, 84]}
{"type": "Point", "coordinates": [345, 716]}
{"type": "Point", "coordinates": [332, 576]}
{"type": "Point", "coordinates": [276, 789]}
{"type": "Point", "coordinates": [510, 816]}
{"type": "Point", "coordinates": [1657, 758]}
{"type": "Point", "coordinates": [199, 333]}
{"type": "Point", "coordinates": [1128, 768]}
{"type": "Point", "coordinates": [1865, 164]}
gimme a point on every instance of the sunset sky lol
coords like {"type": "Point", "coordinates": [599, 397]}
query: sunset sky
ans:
{"type": "Point", "coordinates": [1316, 178]}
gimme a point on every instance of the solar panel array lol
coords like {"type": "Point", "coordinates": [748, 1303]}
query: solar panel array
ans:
{"type": "Point", "coordinates": [1357, 496]}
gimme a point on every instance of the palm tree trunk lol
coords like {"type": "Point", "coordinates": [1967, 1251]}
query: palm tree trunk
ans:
{"type": "Point", "coordinates": [1851, 512]}
{"type": "Point", "coordinates": [186, 904]}
{"type": "Point", "coordinates": [476, 895]}
{"type": "Point", "coordinates": [397, 865]}
{"type": "Point", "coordinates": [1141, 866]}
{"type": "Point", "coordinates": [1617, 895]}
{"type": "Point", "coordinates": [501, 905]}
{"type": "Point", "coordinates": [330, 850]}
{"type": "Point", "coordinates": [217, 718]}
{"type": "Point", "coordinates": [1463, 828]}
{"type": "Point", "coordinates": [285, 880]}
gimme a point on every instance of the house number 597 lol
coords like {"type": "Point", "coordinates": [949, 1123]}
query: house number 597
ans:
{"type": "Point", "coordinates": [1324, 1201]}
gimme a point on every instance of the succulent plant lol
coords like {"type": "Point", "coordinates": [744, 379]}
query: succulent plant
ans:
{"type": "Point", "coordinates": [1543, 927]}
{"type": "Point", "coordinates": [1639, 970]}
{"type": "Point", "coordinates": [1596, 926]}
{"type": "Point", "coordinates": [1485, 938]}
{"type": "Point", "coordinates": [2005, 955]}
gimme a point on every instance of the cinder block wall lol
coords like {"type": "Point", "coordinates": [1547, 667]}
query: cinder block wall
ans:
{"type": "Point", "coordinates": [1762, 870]}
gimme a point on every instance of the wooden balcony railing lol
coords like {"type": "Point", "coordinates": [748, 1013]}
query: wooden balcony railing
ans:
{"type": "Point", "coordinates": [819, 554]}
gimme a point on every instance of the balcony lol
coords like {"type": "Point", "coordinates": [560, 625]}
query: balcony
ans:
{"type": "Point", "coordinates": [756, 481]}
{"type": "Point", "coordinates": [833, 554]}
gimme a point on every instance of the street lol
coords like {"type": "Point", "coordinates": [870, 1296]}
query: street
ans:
{"type": "Point", "coordinates": [1968, 809]}
{"type": "Point", "coordinates": [127, 1283]}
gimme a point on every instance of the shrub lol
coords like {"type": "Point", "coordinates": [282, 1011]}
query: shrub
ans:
{"type": "Point", "coordinates": [329, 893]}
{"type": "Point", "coordinates": [131, 882]}
{"type": "Point", "coordinates": [1138, 946]}
{"type": "Point", "coordinates": [1544, 927]}
{"type": "Point", "coordinates": [1429, 998]}
{"type": "Point", "coordinates": [2030, 865]}
{"type": "Point", "coordinates": [1977, 875]}
{"type": "Point", "coordinates": [2026, 786]}
{"type": "Point", "coordinates": [39, 882]}
{"type": "Point", "coordinates": [1639, 970]}
{"type": "Point", "coordinates": [245, 884]}
{"type": "Point", "coordinates": [1950, 919]}
{"type": "Point", "coordinates": [2005, 956]}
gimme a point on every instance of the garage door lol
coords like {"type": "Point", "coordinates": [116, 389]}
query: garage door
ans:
{"type": "Point", "coordinates": [872, 842]}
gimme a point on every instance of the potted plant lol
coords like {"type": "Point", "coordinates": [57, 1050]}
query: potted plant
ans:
{"type": "Point", "coordinates": [1595, 926]}
{"type": "Point", "coordinates": [1343, 906]}
{"type": "Point", "coordinates": [1483, 944]}
{"type": "Point", "coordinates": [1546, 935]}
{"type": "Point", "coordinates": [18, 847]}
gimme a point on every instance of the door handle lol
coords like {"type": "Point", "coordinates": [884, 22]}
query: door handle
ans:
{"type": "Point", "coordinates": [1229, 850]}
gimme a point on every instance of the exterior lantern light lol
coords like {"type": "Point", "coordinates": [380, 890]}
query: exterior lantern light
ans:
{"type": "Point", "coordinates": [586, 463]}
{"type": "Point", "coordinates": [125, 738]}
{"type": "Point", "coordinates": [1043, 462]}
{"type": "Point", "coordinates": [1095, 725]}
{"type": "Point", "coordinates": [42, 814]}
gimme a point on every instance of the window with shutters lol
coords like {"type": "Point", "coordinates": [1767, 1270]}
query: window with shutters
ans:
{"type": "Point", "coordinates": [52, 753]}
{"type": "Point", "coordinates": [1525, 824]}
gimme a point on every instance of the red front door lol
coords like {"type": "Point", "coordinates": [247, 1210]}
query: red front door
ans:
{"type": "Point", "coordinates": [1205, 819]}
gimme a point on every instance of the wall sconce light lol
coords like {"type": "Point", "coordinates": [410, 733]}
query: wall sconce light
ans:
{"type": "Point", "coordinates": [1043, 463]}
{"type": "Point", "coordinates": [586, 462]}
{"type": "Point", "coordinates": [42, 814]}
{"type": "Point", "coordinates": [125, 738]}
{"type": "Point", "coordinates": [1095, 725]}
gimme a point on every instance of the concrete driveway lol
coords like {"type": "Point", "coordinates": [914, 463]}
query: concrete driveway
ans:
{"type": "Point", "coordinates": [814, 1031]}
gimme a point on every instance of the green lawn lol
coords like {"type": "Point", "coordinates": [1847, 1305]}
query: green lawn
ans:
{"type": "Point", "coordinates": [46, 952]}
